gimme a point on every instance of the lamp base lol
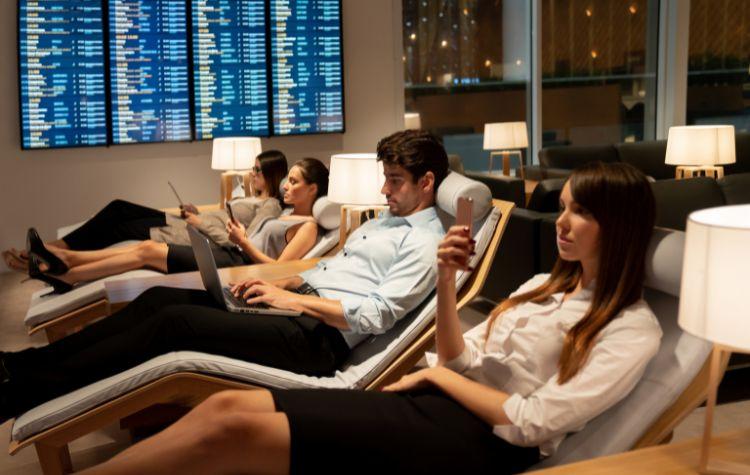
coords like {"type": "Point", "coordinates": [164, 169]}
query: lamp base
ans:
{"type": "Point", "coordinates": [707, 465]}
{"type": "Point", "coordinates": [706, 170]}
{"type": "Point", "coordinates": [506, 162]}
{"type": "Point", "coordinates": [227, 181]}
{"type": "Point", "coordinates": [352, 218]}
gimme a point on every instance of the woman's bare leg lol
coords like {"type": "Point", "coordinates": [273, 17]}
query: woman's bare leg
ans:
{"type": "Point", "coordinates": [231, 432]}
{"type": "Point", "coordinates": [148, 254]}
{"type": "Point", "coordinates": [79, 258]}
{"type": "Point", "coordinates": [58, 243]}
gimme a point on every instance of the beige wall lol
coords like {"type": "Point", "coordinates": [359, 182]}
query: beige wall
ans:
{"type": "Point", "coordinates": [51, 188]}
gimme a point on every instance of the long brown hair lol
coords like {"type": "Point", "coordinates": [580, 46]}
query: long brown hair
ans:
{"type": "Point", "coordinates": [619, 198]}
{"type": "Point", "coordinates": [274, 168]}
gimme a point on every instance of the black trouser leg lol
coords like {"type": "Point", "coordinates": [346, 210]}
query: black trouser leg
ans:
{"type": "Point", "coordinates": [118, 221]}
{"type": "Point", "coordinates": [149, 330]}
{"type": "Point", "coordinates": [142, 308]}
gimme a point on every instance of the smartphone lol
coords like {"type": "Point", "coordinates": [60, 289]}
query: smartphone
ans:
{"type": "Point", "coordinates": [229, 212]}
{"type": "Point", "coordinates": [464, 210]}
{"type": "Point", "coordinates": [175, 193]}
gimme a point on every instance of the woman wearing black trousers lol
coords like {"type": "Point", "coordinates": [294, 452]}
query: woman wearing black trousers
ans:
{"type": "Point", "coordinates": [557, 353]}
{"type": "Point", "coordinates": [124, 221]}
{"type": "Point", "coordinates": [282, 238]}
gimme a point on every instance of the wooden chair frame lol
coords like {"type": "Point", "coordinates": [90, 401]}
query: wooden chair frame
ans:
{"type": "Point", "coordinates": [76, 319]}
{"type": "Point", "coordinates": [693, 396]}
{"type": "Point", "coordinates": [189, 389]}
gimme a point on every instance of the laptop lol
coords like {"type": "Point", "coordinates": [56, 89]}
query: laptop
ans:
{"type": "Point", "coordinates": [223, 295]}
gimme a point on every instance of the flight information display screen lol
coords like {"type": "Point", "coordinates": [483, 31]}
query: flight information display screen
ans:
{"type": "Point", "coordinates": [61, 74]}
{"type": "Point", "coordinates": [149, 69]}
{"type": "Point", "coordinates": [110, 72]}
{"type": "Point", "coordinates": [306, 61]}
{"type": "Point", "coordinates": [230, 74]}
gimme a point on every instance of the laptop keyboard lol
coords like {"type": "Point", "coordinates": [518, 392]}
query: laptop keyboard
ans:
{"type": "Point", "coordinates": [239, 302]}
{"type": "Point", "coordinates": [236, 301]}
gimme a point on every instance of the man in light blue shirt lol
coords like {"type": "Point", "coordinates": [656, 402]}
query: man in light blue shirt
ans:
{"type": "Point", "coordinates": [387, 266]}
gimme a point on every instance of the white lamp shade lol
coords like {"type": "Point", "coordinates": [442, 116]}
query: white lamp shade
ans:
{"type": "Point", "coordinates": [356, 179]}
{"type": "Point", "coordinates": [235, 153]}
{"type": "Point", "coordinates": [697, 145]}
{"type": "Point", "coordinates": [412, 120]}
{"type": "Point", "coordinates": [714, 291]}
{"type": "Point", "coordinates": [505, 136]}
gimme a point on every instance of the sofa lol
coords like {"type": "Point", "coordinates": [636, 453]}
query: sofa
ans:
{"type": "Point", "coordinates": [647, 156]}
{"type": "Point", "coordinates": [529, 248]}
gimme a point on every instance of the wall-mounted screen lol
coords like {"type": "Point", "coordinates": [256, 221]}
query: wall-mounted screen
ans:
{"type": "Point", "coordinates": [307, 71]}
{"type": "Point", "coordinates": [149, 68]}
{"type": "Point", "coordinates": [229, 60]}
{"type": "Point", "coordinates": [110, 72]}
{"type": "Point", "coordinates": [61, 74]}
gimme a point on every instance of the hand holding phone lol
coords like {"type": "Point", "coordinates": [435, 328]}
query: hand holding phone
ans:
{"type": "Point", "coordinates": [230, 213]}
{"type": "Point", "coordinates": [190, 208]}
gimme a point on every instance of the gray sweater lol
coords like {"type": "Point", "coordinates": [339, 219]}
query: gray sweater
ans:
{"type": "Point", "coordinates": [248, 211]}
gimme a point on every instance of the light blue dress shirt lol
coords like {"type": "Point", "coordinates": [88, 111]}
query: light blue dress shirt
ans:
{"type": "Point", "coordinates": [385, 270]}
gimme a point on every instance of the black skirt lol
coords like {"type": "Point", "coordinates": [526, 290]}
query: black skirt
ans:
{"type": "Point", "coordinates": [340, 431]}
{"type": "Point", "coordinates": [182, 259]}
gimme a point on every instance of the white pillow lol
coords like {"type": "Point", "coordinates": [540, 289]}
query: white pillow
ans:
{"type": "Point", "coordinates": [455, 186]}
{"type": "Point", "coordinates": [327, 213]}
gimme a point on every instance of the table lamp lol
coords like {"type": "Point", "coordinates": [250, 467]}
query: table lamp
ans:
{"type": "Point", "coordinates": [233, 154]}
{"type": "Point", "coordinates": [355, 181]}
{"type": "Point", "coordinates": [713, 299]}
{"type": "Point", "coordinates": [505, 138]}
{"type": "Point", "coordinates": [412, 120]}
{"type": "Point", "coordinates": [700, 150]}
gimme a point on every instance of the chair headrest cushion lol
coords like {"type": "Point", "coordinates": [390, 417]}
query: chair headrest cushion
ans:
{"type": "Point", "coordinates": [455, 186]}
{"type": "Point", "coordinates": [327, 213]}
{"type": "Point", "coordinates": [664, 260]}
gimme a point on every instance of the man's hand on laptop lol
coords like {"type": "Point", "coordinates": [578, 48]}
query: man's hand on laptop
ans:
{"type": "Point", "coordinates": [259, 291]}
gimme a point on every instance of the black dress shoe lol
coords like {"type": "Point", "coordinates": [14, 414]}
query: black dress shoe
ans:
{"type": "Point", "coordinates": [58, 286]}
{"type": "Point", "coordinates": [35, 245]}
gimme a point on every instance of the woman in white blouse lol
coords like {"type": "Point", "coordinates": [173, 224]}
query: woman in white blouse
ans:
{"type": "Point", "coordinates": [561, 350]}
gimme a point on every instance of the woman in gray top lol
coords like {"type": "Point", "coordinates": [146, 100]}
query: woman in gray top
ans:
{"type": "Point", "coordinates": [124, 221]}
{"type": "Point", "coordinates": [293, 234]}
{"type": "Point", "coordinates": [308, 180]}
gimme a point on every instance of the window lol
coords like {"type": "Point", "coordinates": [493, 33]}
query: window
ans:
{"type": "Point", "coordinates": [598, 71]}
{"type": "Point", "coordinates": [466, 64]}
{"type": "Point", "coordinates": [718, 59]}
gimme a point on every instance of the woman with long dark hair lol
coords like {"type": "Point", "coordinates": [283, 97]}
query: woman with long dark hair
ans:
{"type": "Point", "coordinates": [273, 238]}
{"type": "Point", "coordinates": [562, 349]}
{"type": "Point", "coordinates": [122, 220]}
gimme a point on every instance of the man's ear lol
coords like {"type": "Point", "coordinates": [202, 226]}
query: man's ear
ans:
{"type": "Point", "coordinates": [428, 182]}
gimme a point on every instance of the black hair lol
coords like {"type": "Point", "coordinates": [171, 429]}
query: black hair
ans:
{"type": "Point", "coordinates": [274, 167]}
{"type": "Point", "coordinates": [417, 151]}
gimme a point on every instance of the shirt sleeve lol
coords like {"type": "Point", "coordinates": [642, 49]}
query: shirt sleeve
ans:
{"type": "Point", "coordinates": [614, 367]}
{"type": "Point", "coordinates": [407, 283]}
{"type": "Point", "coordinates": [474, 339]}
